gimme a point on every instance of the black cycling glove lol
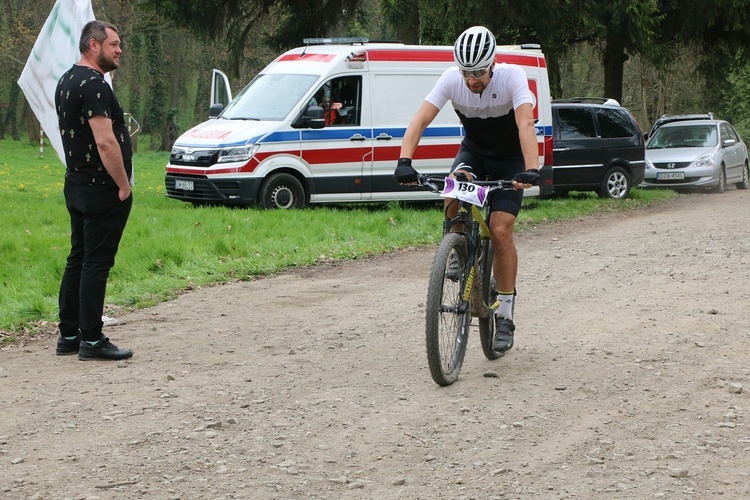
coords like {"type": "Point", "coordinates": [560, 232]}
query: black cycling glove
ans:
{"type": "Point", "coordinates": [530, 176]}
{"type": "Point", "coordinates": [405, 173]}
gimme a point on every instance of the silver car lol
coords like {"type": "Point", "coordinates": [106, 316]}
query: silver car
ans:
{"type": "Point", "coordinates": [696, 154]}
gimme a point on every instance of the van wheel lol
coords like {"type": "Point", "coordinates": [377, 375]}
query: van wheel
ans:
{"type": "Point", "coordinates": [745, 174]}
{"type": "Point", "coordinates": [616, 184]}
{"type": "Point", "coordinates": [282, 191]}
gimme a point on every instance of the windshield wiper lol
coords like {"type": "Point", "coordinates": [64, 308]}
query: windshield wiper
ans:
{"type": "Point", "coordinates": [245, 118]}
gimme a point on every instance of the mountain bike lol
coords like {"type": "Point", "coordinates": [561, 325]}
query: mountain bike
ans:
{"type": "Point", "coordinates": [461, 284]}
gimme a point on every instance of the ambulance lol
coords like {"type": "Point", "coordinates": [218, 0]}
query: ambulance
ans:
{"type": "Point", "coordinates": [323, 124]}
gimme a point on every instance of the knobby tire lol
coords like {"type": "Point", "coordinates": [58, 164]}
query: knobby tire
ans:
{"type": "Point", "coordinates": [448, 317]}
{"type": "Point", "coordinates": [489, 299]}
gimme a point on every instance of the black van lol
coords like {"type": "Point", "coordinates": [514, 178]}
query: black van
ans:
{"type": "Point", "coordinates": [597, 146]}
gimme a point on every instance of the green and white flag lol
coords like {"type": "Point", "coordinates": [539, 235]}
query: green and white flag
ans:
{"type": "Point", "coordinates": [54, 52]}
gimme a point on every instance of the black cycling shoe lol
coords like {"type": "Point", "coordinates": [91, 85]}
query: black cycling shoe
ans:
{"type": "Point", "coordinates": [453, 272]}
{"type": "Point", "coordinates": [104, 349]}
{"type": "Point", "coordinates": [504, 329]}
{"type": "Point", "coordinates": [67, 347]}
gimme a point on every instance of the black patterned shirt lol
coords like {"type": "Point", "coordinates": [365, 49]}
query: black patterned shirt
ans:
{"type": "Point", "coordinates": [81, 94]}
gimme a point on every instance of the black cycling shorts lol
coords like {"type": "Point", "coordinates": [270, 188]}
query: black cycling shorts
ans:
{"type": "Point", "coordinates": [484, 167]}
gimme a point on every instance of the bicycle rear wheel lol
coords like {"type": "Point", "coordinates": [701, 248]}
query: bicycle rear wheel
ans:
{"type": "Point", "coordinates": [489, 300]}
{"type": "Point", "coordinates": [448, 316]}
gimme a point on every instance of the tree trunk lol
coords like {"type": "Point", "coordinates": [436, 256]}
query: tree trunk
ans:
{"type": "Point", "coordinates": [553, 73]}
{"type": "Point", "coordinates": [171, 132]}
{"type": "Point", "coordinates": [614, 59]}
{"type": "Point", "coordinates": [10, 124]}
{"type": "Point", "coordinates": [407, 30]}
{"type": "Point", "coordinates": [33, 127]}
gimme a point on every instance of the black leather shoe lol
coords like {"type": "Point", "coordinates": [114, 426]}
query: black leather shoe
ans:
{"type": "Point", "coordinates": [67, 347]}
{"type": "Point", "coordinates": [104, 349]}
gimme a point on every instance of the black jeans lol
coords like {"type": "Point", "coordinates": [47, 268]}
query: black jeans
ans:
{"type": "Point", "coordinates": [97, 221]}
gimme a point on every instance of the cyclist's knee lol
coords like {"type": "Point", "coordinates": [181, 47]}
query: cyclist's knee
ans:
{"type": "Point", "coordinates": [502, 239]}
{"type": "Point", "coordinates": [501, 229]}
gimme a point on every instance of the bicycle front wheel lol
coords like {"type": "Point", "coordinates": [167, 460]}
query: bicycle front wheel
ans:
{"type": "Point", "coordinates": [448, 316]}
{"type": "Point", "coordinates": [489, 300]}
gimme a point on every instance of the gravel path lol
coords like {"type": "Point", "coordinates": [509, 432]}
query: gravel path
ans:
{"type": "Point", "coordinates": [629, 379]}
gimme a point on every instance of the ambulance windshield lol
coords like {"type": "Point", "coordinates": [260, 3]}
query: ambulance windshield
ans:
{"type": "Point", "coordinates": [269, 97]}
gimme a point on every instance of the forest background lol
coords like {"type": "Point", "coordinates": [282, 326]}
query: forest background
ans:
{"type": "Point", "coordinates": [654, 56]}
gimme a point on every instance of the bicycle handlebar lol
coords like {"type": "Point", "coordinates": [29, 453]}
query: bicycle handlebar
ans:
{"type": "Point", "coordinates": [429, 181]}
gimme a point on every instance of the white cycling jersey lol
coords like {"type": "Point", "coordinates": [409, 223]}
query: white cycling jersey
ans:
{"type": "Point", "coordinates": [489, 117]}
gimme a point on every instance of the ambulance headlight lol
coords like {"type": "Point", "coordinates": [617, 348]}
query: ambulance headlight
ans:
{"type": "Point", "coordinates": [236, 153]}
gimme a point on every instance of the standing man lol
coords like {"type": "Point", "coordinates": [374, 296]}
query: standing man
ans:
{"type": "Point", "coordinates": [495, 106]}
{"type": "Point", "coordinates": [97, 191]}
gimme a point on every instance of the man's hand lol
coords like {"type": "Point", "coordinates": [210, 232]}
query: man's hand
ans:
{"type": "Point", "coordinates": [526, 179]}
{"type": "Point", "coordinates": [405, 173]}
{"type": "Point", "coordinates": [124, 193]}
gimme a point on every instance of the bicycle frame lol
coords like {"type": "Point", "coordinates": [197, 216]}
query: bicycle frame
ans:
{"type": "Point", "coordinates": [469, 216]}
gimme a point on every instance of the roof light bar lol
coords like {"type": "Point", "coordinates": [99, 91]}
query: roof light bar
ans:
{"type": "Point", "coordinates": [332, 41]}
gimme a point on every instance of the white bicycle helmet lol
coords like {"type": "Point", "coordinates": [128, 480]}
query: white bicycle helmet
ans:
{"type": "Point", "coordinates": [474, 49]}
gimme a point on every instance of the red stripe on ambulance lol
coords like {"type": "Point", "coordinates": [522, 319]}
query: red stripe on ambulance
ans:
{"type": "Point", "coordinates": [308, 57]}
{"type": "Point", "coordinates": [446, 56]}
{"type": "Point", "coordinates": [423, 152]}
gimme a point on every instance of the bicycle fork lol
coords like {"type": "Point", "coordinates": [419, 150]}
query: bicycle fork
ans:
{"type": "Point", "coordinates": [471, 261]}
{"type": "Point", "coordinates": [479, 303]}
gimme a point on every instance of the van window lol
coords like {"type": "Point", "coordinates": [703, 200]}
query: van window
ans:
{"type": "Point", "coordinates": [614, 123]}
{"type": "Point", "coordinates": [341, 100]}
{"type": "Point", "coordinates": [269, 97]}
{"type": "Point", "coordinates": [575, 123]}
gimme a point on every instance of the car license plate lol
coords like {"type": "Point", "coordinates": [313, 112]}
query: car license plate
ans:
{"type": "Point", "coordinates": [184, 185]}
{"type": "Point", "coordinates": [662, 176]}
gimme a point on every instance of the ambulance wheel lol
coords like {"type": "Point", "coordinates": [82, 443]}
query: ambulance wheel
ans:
{"type": "Point", "coordinates": [282, 191]}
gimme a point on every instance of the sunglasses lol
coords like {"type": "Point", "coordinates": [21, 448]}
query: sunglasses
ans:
{"type": "Point", "coordinates": [476, 73]}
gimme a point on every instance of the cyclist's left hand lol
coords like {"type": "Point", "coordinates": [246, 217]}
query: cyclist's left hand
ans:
{"type": "Point", "coordinates": [526, 179]}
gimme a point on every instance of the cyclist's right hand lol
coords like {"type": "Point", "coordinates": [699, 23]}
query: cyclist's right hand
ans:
{"type": "Point", "coordinates": [405, 173]}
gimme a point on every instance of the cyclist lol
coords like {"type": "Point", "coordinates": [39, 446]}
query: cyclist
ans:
{"type": "Point", "coordinates": [494, 104]}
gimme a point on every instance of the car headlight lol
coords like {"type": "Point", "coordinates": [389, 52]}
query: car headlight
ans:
{"type": "Point", "coordinates": [704, 161]}
{"type": "Point", "coordinates": [649, 164]}
{"type": "Point", "coordinates": [237, 153]}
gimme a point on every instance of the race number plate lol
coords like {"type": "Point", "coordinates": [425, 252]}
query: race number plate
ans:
{"type": "Point", "coordinates": [465, 191]}
{"type": "Point", "coordinates": [185, 185]}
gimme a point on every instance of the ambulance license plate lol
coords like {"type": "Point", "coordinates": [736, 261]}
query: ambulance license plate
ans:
{"type": "Point", "coordinates": [184, 185]}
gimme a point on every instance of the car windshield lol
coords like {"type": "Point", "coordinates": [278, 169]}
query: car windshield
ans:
{"type": "Point", "coordinates": [692, 136]}
{"type": "Point", "coordinates": [269, 97]}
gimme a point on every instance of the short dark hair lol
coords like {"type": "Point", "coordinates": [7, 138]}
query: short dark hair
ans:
{"type": "Point", "coordinates": [96, 30]}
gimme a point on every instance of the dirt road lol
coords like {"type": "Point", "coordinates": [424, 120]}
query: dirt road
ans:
{"type": "Point", "coordinates": [629, 379]}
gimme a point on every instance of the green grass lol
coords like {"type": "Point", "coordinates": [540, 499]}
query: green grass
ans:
{"type": "Point", "coordinates": [171, 246]}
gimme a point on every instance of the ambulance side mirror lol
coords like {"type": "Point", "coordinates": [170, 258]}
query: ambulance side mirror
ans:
{"type": "Point", "coordinates": [315, 117]}
{"type": "Point", "coordinates": [215, 109]}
